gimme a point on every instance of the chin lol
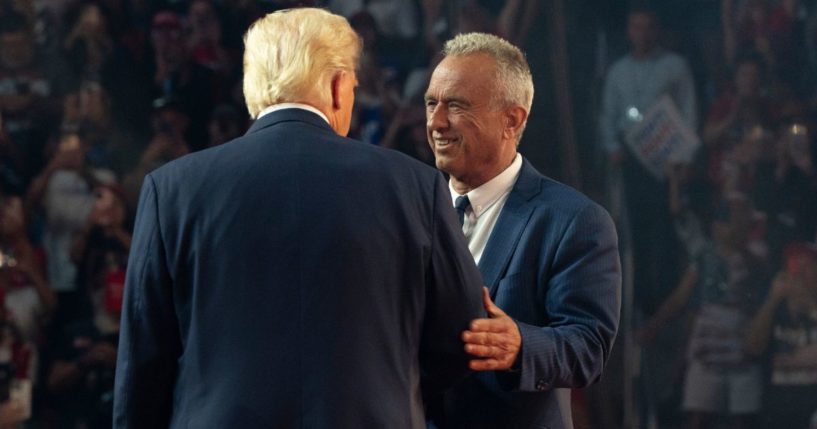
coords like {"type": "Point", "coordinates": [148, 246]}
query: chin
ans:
{"type": "Point", "coordinates": [445, 167]}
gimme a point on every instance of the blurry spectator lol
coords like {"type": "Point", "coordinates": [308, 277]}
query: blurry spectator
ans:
{"type": "Point", "coordinates": [509, 19]}
{"type": "Point", "coordinates": [765, 26]}
{"type": "Point", "coordinates": [101, 253]}
{"type": "Point", "coordinates": [128, 24]}
{"type": "Point", "coordinates": [82, 373]}
{"type": "Point", "coordinates": [634, 83]}
{"type": "Point", "coordinates": [737, 129]}
{"type": "Point", "coordinates": [722, 282]}
{"type": "Point", "coordinates": [17, 369]}
{"type": "Point", "coordinates": [740, 108]}
{"type": "Point", "coordinates": [28, 299]}
{"type": "Point", "coordinates": [110, 143]}
{"type": "Point", "coordinates": [397, 18]}
{"type": "Point", "coordinates": [226, 123]}
{"type": "Point", "coordinates": [786, 327]}
{"type": "Point", "coordinates": [63, 191]}
{"type": "Point", "coordinates": [81, 376]}
{"type": "Point", "coordinates": [785, 187]}
{"type": "Point", "coordinates": [88, 45]}
{"type": "Point", "coordinates": [397, 25]}
{"type": "Point", "coordinates": [205, 39]}
{"type": "Point", "coordinates": [168, 142]}
{"type": "Point", "coordinates": [24, 95]}
{"type": "Point", "coordinates": [374, 101]}
{"type": "Point", "coordinates": [174, 75]}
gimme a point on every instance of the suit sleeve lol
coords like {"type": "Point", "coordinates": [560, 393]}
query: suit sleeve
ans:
{"type": "Point", "coordinates": [583, 301]}
{"type": "Point", "coordinates": [149, 344]}
{"type": "Point", "coordinates": [453, 297]}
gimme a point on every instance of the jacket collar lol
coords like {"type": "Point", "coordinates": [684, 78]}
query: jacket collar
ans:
{"type": "Point", "coordinates": [288, 115]}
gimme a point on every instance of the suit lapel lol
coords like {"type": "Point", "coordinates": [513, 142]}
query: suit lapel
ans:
{"type": "Point", "coordinates": [508, 229]}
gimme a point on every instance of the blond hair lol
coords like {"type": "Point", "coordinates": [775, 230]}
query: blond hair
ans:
{"type": "Point", "coordinates": [513, 73]}
{"type": "Point", "coordinates": [290, 55]}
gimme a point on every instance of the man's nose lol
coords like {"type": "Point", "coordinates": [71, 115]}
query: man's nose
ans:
{"type": "Point", "coordinates": [437, 118]}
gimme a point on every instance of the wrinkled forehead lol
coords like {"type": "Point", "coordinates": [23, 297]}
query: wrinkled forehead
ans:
{"type": "Point", "coordinates": [464, 75]}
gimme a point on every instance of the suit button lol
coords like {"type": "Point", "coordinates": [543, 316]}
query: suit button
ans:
{"type": "Point", "coordinates": [542, 385]}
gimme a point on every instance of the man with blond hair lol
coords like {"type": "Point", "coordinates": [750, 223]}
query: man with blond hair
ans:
{"type": "Point", "coordinates": [293, 278]}
{"type": "Point", "coordinates": [548, 255]}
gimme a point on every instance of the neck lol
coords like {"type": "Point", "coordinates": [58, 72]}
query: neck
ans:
{"type": "Point", "coordinates": [461, 187]}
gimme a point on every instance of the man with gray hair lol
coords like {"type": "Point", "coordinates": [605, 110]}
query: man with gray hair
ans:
{"type": "Point", "coordinates": [293, 278]}
{"type": "Point", "coordinates": [548, 255]}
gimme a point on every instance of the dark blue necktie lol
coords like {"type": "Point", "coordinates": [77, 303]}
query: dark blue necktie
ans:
{"type": "Point", "coordinates": [461, 203]}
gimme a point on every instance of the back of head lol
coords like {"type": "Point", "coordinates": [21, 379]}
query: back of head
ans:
{"type": "Point", "coordinates": [513, 73]}
{"type": "Point", "coordinates": [290, 53]}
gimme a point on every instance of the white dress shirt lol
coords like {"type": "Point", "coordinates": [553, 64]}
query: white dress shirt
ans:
{"type": "Point", "coordinates": [282, 106]}
{"type": "Point", "coordinates": [486, 204]}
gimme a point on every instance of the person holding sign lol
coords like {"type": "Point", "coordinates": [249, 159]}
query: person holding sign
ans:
{"type": "Point", "coordinates": [634, 86]}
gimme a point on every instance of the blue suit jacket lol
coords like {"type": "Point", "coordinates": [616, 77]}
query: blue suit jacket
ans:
{"type": "Point", "coordinates": [292, 278]}
{"type": "Point", "coordinates": [552, 264]}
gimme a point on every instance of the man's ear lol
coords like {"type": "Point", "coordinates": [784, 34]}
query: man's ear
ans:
{"type": "Point", "coordinates": [515, 117]}
{"type": "Point", "coordinates": [335, 84]}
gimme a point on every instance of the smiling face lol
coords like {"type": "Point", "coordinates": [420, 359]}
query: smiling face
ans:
{"type": "Point", "coordinates": [466, 124]}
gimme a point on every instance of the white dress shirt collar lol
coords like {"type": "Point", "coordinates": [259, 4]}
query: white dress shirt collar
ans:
{"type": "Point", "coordinates": [487, 194]}
{"type": "Point", "coordinates": [282, 106]}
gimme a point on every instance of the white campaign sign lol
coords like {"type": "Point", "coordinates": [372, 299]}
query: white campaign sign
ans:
{"type": "Point", "coordinates": [661, 137]}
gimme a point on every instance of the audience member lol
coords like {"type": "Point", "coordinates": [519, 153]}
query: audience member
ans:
{"type": "Point", "coordinates": [226, 123]}
{"type": "Point", "coordinates": [175, 75]}
{"type": "Point", "coordinates": [25, 98]}
{"type": "Point", "coordinates": [720, 283]}
{"type": "Point", "coordinates": [633, 85]}
{"type": "Point", "coordinates": [23, 280]}
{"type": "Point", "coordinates": [785, 330]}
{"type": "Point", "coordinates": [63, 192]}
{"type": "Point", "coordinates": [170, 123]}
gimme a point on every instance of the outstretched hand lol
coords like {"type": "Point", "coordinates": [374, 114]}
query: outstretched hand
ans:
{"type": "Point", "coordinates": [494, 341]}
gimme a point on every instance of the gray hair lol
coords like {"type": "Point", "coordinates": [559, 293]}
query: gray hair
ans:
{"type": "Point", "coordinates": [513, 73]}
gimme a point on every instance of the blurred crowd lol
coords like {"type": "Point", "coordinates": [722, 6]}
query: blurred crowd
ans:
{"type": "Point", "coordinates": [723, 242]}
{"type": "Point", "coordinates": [95, 94]}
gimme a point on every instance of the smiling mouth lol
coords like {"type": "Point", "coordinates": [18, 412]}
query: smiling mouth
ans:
{"type": "Point", "coordinates": [441, 143]}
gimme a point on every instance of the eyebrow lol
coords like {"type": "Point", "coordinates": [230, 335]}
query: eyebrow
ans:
{"type": "Point", "coordinates": [448, 100]}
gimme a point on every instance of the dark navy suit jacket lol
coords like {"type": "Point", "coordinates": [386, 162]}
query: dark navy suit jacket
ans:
{"type": "Point", "coordinates": [552, 264]}
{"type": "Point", "coordinates": [292, 278]}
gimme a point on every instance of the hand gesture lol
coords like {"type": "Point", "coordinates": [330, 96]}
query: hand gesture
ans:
{"type": "Point", "coordinates": [495, 341]}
